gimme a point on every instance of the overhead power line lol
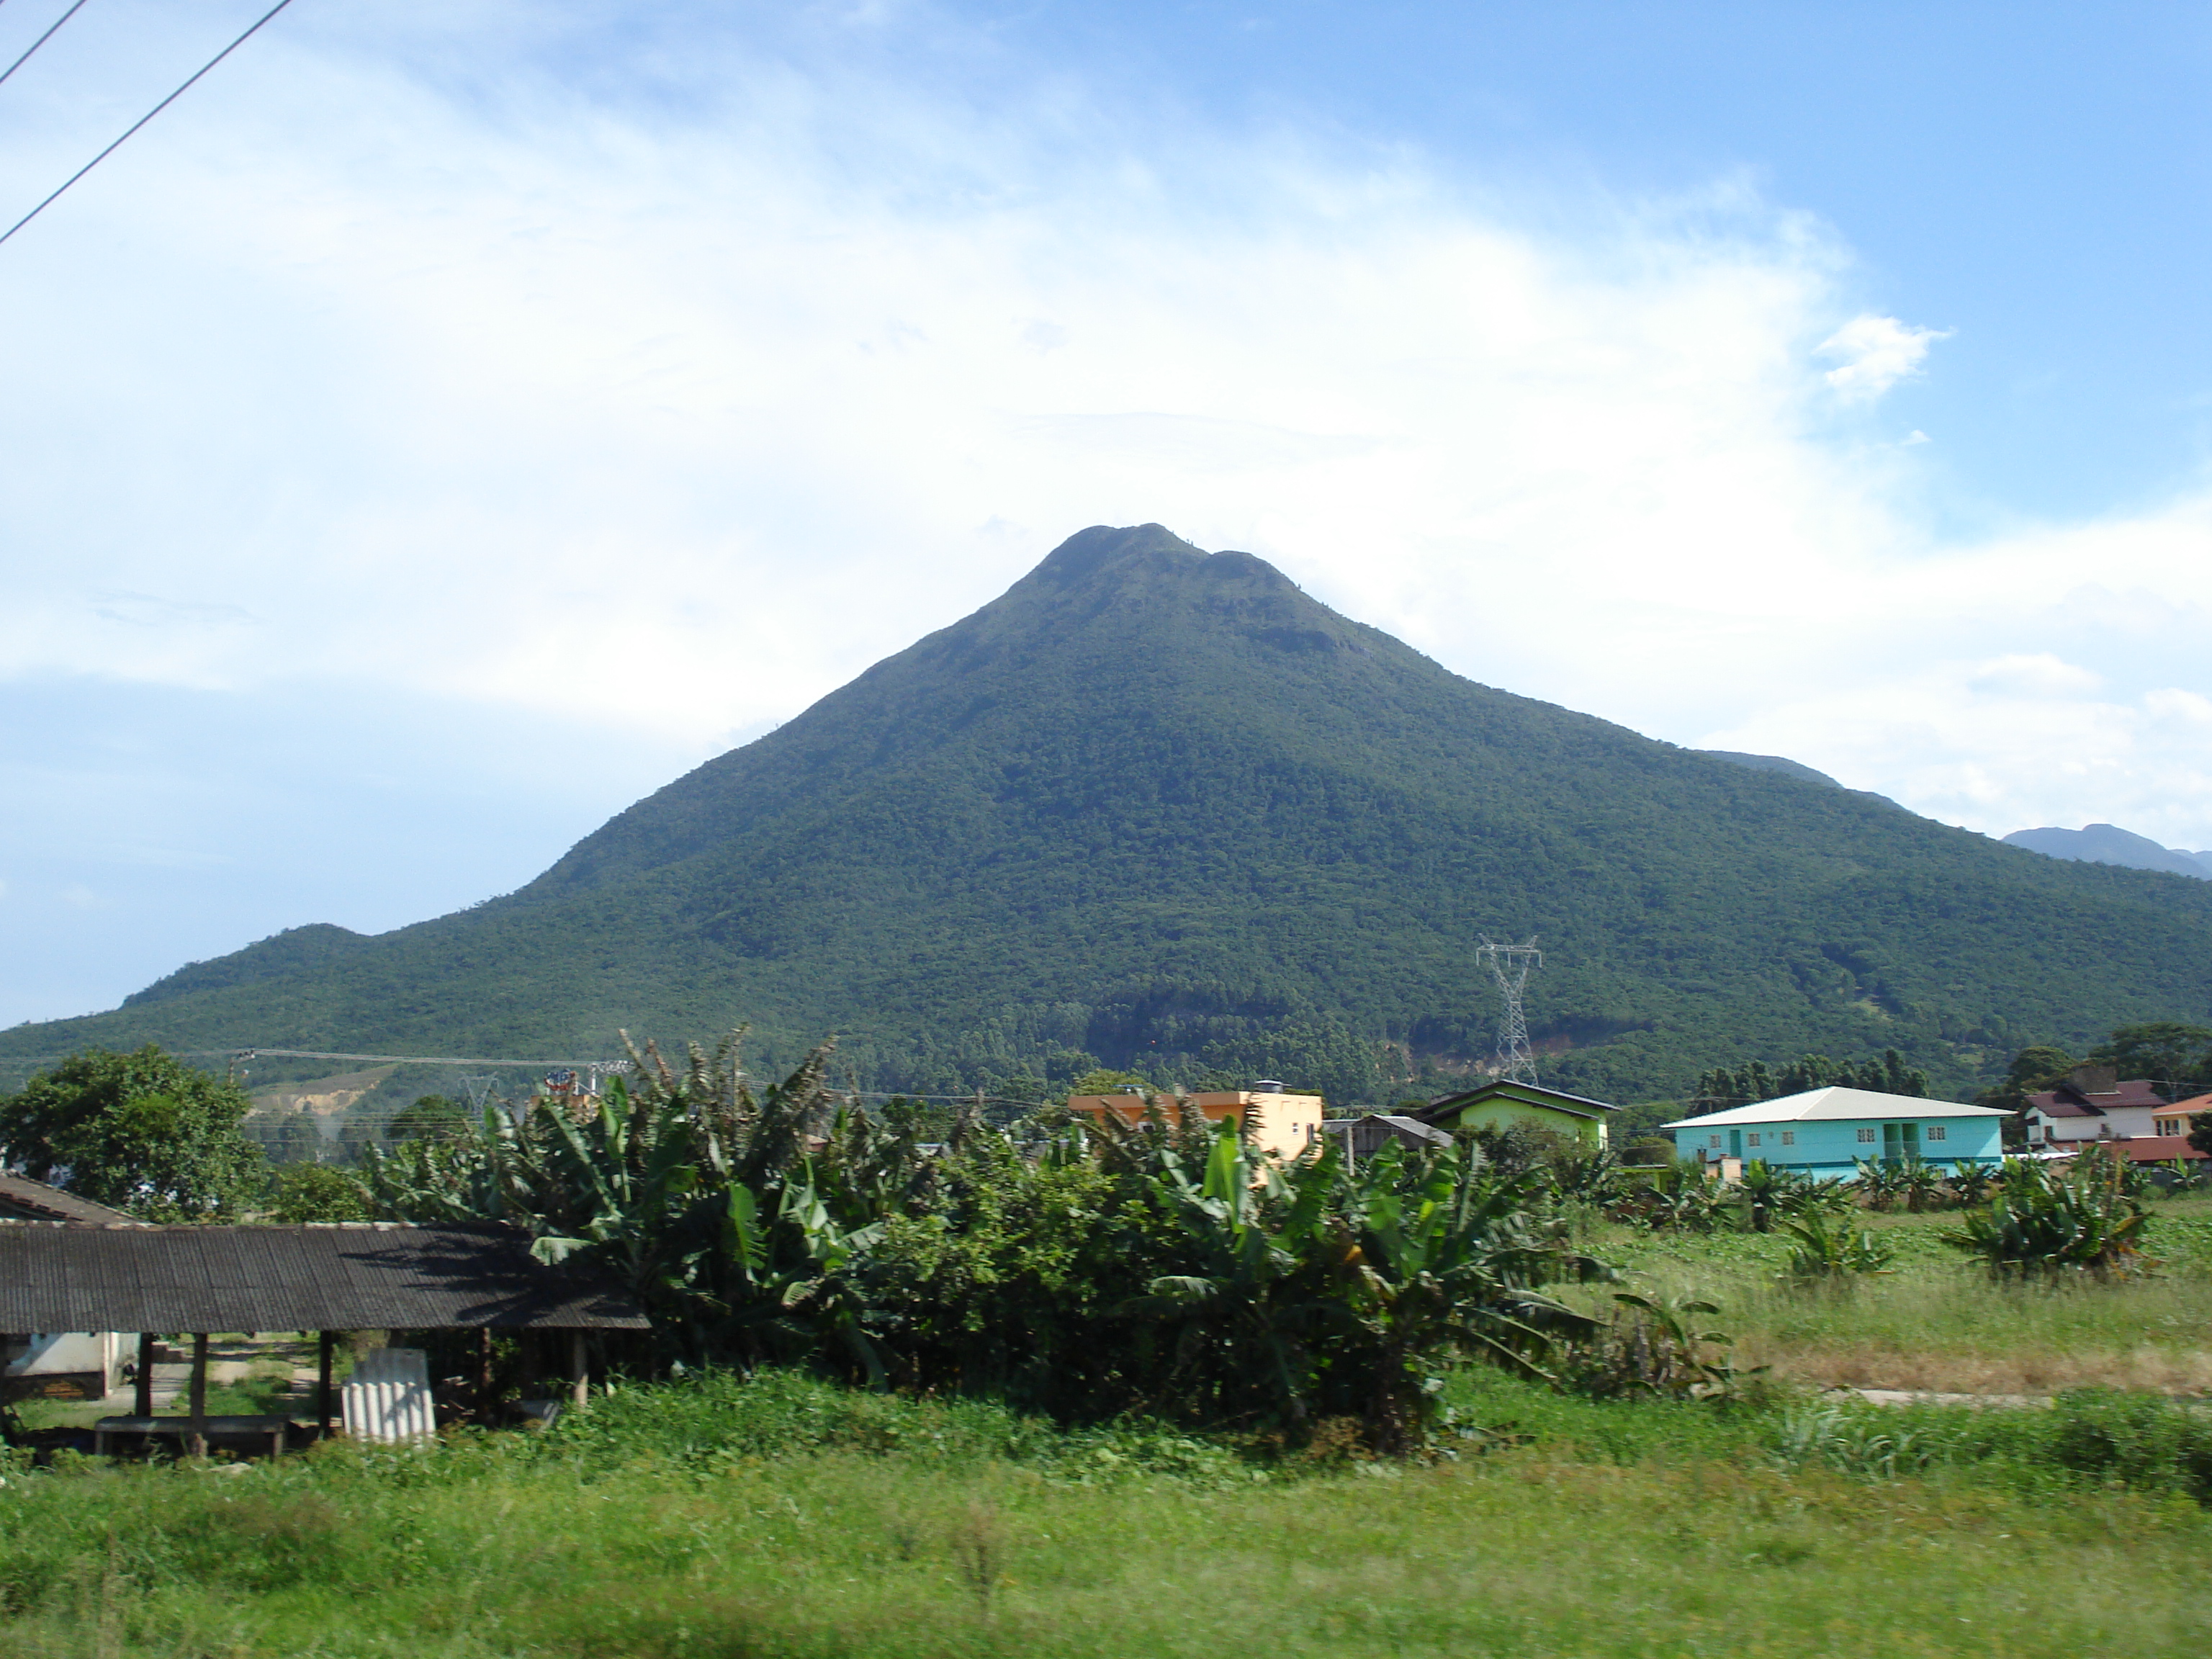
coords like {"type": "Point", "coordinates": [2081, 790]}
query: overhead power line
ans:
{"type": "Point", "coordinates": [20, 1062]}
{"type": "Point", "coordinates": [142, 119]}
{"type": "Point", "coordinates": [249, 1051]}
{"type": "Point", "coordinates": [41, 41]}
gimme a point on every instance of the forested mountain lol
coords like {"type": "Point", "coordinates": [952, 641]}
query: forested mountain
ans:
{"type": "Point", "coordinates": [2105, 843]}
{"type": "Point", "coordinates": [1161, 809]}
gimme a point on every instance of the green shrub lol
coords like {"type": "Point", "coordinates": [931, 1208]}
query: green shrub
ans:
{"type": "Point", "coordinates": [2044, 1224]}
{"type": "Point", "coordinates": [1826, 1253]}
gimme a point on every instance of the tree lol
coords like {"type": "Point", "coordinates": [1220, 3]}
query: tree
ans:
{"type": "Point", "coordinates": [287, 1136]}
{"type": "Point", "coordinates": [317, 1192]}
{"type": "Point", "coordinates": [2171, 1055]}
{"type": "Point", "coordinates": [1101, 1081]}
{"type": "Point", "coordinates": [432, 1117]}
{"type": "Point", "coordinates": [1723, 1088]}
{"type": "Point", "coordinates": [142, 1131]}
{"type": "Point", "coordinates": [2032, 1070]}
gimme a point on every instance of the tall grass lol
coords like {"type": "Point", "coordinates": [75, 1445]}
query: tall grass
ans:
{"type": "Point", "coordinates": [781, 1518]}
{"type": "Point", "coordinates": [1937, 1323]}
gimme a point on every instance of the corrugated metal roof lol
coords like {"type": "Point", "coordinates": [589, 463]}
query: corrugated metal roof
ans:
{"type": "Point", "coordinates": [40, 1202]}
{"type": "Point", "coordinates": [1828, 1105]}
{"type": "Point", "coordinates": [340, 1277]}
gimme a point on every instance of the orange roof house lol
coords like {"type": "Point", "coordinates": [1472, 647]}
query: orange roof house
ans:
{"type": "Point", "coordinates": [1282, 1124]}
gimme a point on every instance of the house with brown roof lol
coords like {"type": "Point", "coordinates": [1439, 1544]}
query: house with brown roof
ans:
{"type": "Point", "coordinates": [2092, 1103]}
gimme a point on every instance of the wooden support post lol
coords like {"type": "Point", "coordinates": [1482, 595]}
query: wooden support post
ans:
{"type": "Point", "coordinates": [142, 1393]}
{"type": "Point", "coordinates": [483, 1375]}
{"type": "Point", "coordinates": [197, 1441]}
{"type": "Point", "coordinates": [325, 1352]}
{"type": "Point", "coordinates": [579, 1369]}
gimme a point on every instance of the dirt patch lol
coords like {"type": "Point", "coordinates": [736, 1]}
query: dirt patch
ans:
{"type": "Point", "coordinates": [322, 1096]}
{"type": "Point", "coordinates": [2154, 1370]}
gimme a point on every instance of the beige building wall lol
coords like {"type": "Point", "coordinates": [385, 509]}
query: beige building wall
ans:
{"type": "Point", "coordinates": [1283, 1125]}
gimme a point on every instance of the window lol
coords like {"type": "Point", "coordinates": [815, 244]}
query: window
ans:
{"type": "Point", "coordinates": [1716, 1139]}
{"type": "Point", "coordinates": [2169, 1126]}
{"type": "Point", "coordinates": [1789, 1137]}
{"type": "Point", "coordinates": [1866, 1135]}
{"type": "Point", "coordinates": [1933, 1132]}
{"type": "Point", "coordinates": [1754, 1137]}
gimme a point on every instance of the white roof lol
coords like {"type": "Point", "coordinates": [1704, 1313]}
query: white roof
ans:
{"type": "Point", "coordinates": [1827, 1105]}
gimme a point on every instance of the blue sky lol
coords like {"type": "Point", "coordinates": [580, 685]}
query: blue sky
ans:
{"type": "Point", "coordinates": [451, 421]}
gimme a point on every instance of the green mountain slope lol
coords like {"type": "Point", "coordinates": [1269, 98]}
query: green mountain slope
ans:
{"type": "Point", "coordinates": [1159, 808]}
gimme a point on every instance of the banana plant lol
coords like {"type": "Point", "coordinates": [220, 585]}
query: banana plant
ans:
{"type": "Point", "coordinates": [1769, 1191]}
{"type": "Point", "coordinates": [1920, 1184]}
{"type": "Point", "coordinates": [1971, 1182]}
{"type": "Point", "coordinates": [1876, 1184]}
{"type": "Point", "coordinates": [1264, 1257]}
{"type": "Point", "coordinates": [1449, 1262]}
{"type": "Point", "coordinates": [2044, 1224]}
{"type": "Point", "coordinates": [1826, 1253]}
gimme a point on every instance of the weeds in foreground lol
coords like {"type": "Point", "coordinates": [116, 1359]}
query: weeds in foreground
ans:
{"type": "Point", "coordinates": [901, 1529]}
{"type": "Point", "coordinates": [979, 1550]}
{"type": "Point", "coordinates": [2093, 1437]}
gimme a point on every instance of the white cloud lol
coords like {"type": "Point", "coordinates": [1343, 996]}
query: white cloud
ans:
{"type": "Point", "coordinates": [2037, 675]}
{"type": "Point", "coordinates": [1877, 352]}
{"type": "Point", "coordinates": [2174, 703]}
{"type": "Point", "coordinates": [673, 406]}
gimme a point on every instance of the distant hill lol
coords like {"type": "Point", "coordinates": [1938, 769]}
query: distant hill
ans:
{"type": "Point", "coordinates": [1160, 808]}
{"type": "Point", "coordinates": [1789, 768]}
{"type": "Point", "coordinates": [2104, 843]}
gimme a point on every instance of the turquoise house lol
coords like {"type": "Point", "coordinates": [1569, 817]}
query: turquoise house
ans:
{"type": "Point", "coordinates": [1826, 1131]}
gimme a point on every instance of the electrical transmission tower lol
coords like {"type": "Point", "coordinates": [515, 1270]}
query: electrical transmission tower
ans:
{"type": "Point", "coordinates": [1509, 965]}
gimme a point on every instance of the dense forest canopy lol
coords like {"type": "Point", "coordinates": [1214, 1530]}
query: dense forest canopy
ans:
{"type": "Point", "coordinates": [1162, 811]}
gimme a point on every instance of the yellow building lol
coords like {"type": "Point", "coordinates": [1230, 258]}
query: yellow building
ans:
{"type": "Point", "coordinates": [1283, 1125]}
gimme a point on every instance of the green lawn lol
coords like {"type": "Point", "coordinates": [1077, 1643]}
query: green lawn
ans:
{"type": "Point", "coordinates": [820, 1524]}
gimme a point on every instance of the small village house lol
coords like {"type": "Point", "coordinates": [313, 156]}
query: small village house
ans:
{"type": "Point", "coordinates": [2091, 1102]}
{"type": "Point", "coordinates": [1283, 1124]}
{"type": "Point", "coordinates": [1502, 1102]}
{"type": "Point", "coordinates": [1826, 1131]}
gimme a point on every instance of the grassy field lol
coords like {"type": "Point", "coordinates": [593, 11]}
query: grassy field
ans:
{"type": "Point", "coordinates": [1934, 1322]}
{"type": "Point", "coordinates": [805, 1522]}
{"type": "Point", "coordinates": [782, 1516]}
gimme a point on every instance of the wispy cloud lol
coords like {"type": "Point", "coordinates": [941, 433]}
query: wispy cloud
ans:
{"type": "Point", "coordinates": [1876, 353]}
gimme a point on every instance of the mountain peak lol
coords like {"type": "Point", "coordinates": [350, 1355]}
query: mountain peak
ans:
{"type": "Point", "coordinates": [1142, 586]}
{"type": "Point", "coordinates": [1108, 547]}
{"type": "Point", "coordinates": [1148, 560]}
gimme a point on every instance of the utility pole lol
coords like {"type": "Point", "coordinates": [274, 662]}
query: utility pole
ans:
{"type": "Point", "coordinates": [1509, 965]}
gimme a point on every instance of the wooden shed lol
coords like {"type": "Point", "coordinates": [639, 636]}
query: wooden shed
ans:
{"type": "Point", "coordinates": [326, 1277]}
{"type": "Point", "coordinates": [1363, 1137]}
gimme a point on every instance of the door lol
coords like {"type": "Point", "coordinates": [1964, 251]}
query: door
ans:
{"type": "Point", "coordinates": [1892, 1143]}
{"type": "Point", "coordinates": [1735, 1143]}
